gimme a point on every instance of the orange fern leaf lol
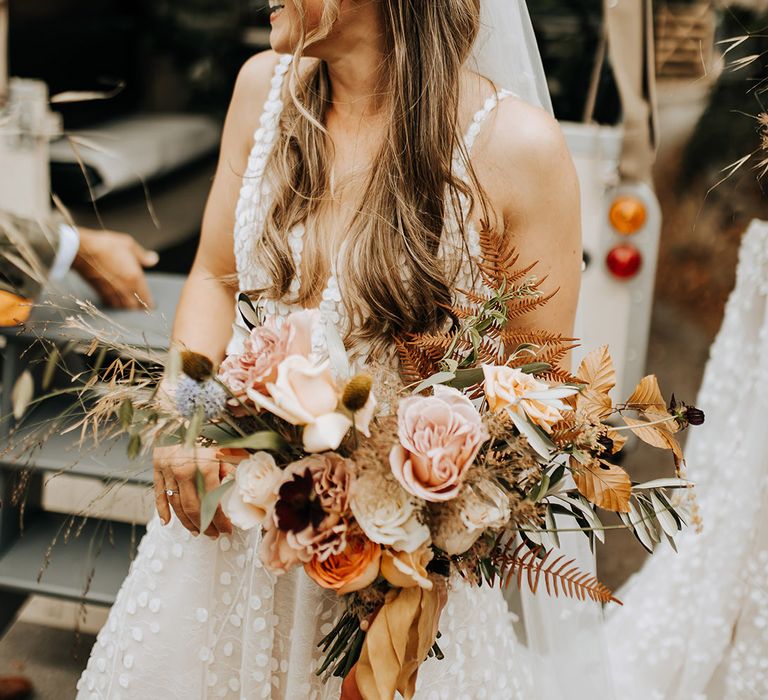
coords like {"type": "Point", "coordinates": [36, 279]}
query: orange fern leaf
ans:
{"type": "Point", "coordinates": [560, 575]}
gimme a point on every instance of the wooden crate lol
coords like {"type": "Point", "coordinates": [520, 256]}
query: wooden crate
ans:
{"type": "Point", "coordinates": [684, 38]}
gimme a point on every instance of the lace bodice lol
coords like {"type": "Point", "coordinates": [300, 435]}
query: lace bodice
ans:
{"type": "Point", "coordinates": [256, 199]}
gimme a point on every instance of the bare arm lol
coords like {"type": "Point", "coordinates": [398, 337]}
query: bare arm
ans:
{"type": "Point", "coordinates": [206, 309]}
{"type": "Point", "coordinates": [531, 179]}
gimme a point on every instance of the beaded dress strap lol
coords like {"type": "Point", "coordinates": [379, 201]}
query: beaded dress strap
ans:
{"type": "Point", "coordinates": [481, 116]}
{"type": "Point", "coordinates": [254, 194]}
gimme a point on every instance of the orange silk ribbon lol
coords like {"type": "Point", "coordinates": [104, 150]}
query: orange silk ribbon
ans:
{"type": "Point", "coordinates": [397, 643]}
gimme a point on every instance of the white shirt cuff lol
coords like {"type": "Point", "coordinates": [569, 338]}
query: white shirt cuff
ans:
{"type": "Point", "coordinates": [69, 245]}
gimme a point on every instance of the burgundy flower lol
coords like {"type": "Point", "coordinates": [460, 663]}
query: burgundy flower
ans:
{"type": "Point", "coordinates": [298, 506]}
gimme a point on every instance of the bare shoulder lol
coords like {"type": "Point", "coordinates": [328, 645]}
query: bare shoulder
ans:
{"type": "Point", "coordinates": [522, 140]}
{"type": "Point", "coordinates": [250, 93]}
{"type": "Point", "coordinates": [254, 79]}
{"type": "Point", "coordinates": [523, 161]}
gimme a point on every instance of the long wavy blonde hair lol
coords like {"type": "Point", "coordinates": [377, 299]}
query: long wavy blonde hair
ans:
{"type": "Point", "coordinates": [393, 279]}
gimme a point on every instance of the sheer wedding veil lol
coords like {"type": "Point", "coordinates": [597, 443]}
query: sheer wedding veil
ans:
{"type": "Point", "coordinates": [506, 51]}
{"type": "Point", "coordinates": [564, 637]}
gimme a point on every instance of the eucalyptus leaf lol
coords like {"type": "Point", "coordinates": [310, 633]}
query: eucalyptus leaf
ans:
{"type": "Point", "coordinates": [549, 519]}
{"type": "Point", "coordinates": [200, 484]}
{"type": "Point", "coordinates": [666, 519]}
{"type": "Point", "coordinates": [541, 489]}
{"type": "Point", "coordinates": [639, 527]}
{"type": "Point", "coordinates": [125, 414]}
{"type": "Point", "coordinates": [536, 368]}
{"type": "Point", "coordinates": [466, 378]}
{"type": "Point", "coordinates": [134, 447]}
{"type": "Point", "coordinates": [22, 394]}
{"type": "Point", "coordinates": [216, 433]}
{"type": "Point", "coordinates": [266, 440]}
{"type": "Point", "coordinates": [438, 378]}
{"type": "Point", "coordinates": [671, 483]}
{"type": "Point", "coordinates": [210, 503]}
{"type": "Point", "coordinates": [194, 428]}
{"type": "Point", "coordinates": [537, 439]}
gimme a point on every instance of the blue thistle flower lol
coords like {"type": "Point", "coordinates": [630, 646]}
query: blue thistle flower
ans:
{"type": "Point", "coordinates": [213, 398]}
{"type": "Point", "coordinates": [187, 396]}
{"type": "Point", "coordinates": [192, 395]}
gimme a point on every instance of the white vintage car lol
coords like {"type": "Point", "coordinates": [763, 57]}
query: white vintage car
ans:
{"type": "Point", "coordinates": [602, 52]}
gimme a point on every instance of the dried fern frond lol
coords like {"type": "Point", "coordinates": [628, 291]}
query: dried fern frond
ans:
{"type": "Point", "coordinates": [415, 364]}
{"type": "Point", "coordinates": [522, 307]}
{"type": "Point", "coordinates": [561, 576]}
{"type": "Point", "coordinates": [514, 337]}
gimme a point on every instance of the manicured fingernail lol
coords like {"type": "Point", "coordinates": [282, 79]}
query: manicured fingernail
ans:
{"type": "Point", "coordinates": [152, 258]}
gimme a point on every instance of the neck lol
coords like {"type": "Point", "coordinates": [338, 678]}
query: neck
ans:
{"type": "Point", "coordinates": [355, 63]}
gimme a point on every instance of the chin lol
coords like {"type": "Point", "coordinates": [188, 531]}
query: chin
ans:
{"type": "Point", "coordinates": [280, 41]}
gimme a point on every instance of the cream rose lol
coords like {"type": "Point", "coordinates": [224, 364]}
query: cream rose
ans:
{"type": "Point", "coordinates": [250, 501]}
{"type": "Point", "coordinates": [440, 437]}
{"type": "Point", "coordinates": [521, 393]}
{"type": "Point", "coordinates": [483, 506]}
{"type": "Point", "coordinates": [305, 393]}
{"type": "Point", "coordinates": [406, 570]}
{"type": "Point", "coordinates": [386, 513]}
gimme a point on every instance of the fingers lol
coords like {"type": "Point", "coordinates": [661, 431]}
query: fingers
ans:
{"type": "Point", "coordinates": [175, 501]}
{"type": "Point", "coordinates": [190, 503]}
{"type": "Point", "coordinates": [161, 500]}
{"type": "Point", "coordinates": [220, 524]}
{"type": "Point", "coordinates": [147, 258]}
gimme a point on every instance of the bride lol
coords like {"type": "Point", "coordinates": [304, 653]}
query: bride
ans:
{"type": "Point", "coordinates": [365, 150]}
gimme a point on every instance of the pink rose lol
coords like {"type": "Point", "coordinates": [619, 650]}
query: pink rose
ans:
{"type": "Point", "coordinates": [440, 437]}
{"type": "Point", "coordinates": [265, 348]}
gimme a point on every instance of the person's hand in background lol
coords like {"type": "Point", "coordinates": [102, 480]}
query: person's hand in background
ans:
{"type": "Point", "coordinates": [113, 264]}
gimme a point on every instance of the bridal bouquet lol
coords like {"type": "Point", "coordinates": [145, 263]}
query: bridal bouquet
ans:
{"type": "Point", "coordinates": [385, 486]}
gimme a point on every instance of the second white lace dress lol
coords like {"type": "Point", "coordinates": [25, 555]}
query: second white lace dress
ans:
{"type": "Point", "coordinates": [694, 625]}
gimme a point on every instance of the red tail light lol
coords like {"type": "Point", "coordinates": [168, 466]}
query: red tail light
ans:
{"type": "Point", "coordinates": [624, 261]}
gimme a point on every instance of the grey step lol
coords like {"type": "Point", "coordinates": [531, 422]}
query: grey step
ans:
{"type": "Point", "coordinates": [149, 329]}
{"type": "Point", "coordinates": [86, 568]}
{"type": "Point", "coordinates": [61, 453]}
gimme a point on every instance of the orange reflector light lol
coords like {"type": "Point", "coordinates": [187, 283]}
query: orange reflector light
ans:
{"type": "Point", "coordinates": [628, 215]}
{"type": "Point", "coordinates": [624, 261]}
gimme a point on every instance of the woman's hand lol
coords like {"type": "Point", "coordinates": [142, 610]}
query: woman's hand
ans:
{"type": "Point", "coordinates": [176, 470]}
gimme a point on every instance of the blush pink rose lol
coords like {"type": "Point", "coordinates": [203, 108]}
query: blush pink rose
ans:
{"type": "Point", "coordinates": [440, 437]}
{"type": "Point", "coordinates": [264, 349]}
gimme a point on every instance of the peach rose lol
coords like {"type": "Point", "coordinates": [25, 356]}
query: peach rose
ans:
{"type": "Point", "coordinates": [257, 480]}
{"type": "Point", "coordinates": [305, 393]}
{"type": "Point", "coordinates": [523, 394]}
{"type": "Point", "coordinates": [440, 437]}
{"type": "Point", "coordinates": [276, 552]}
{"type": "Point", "coordinates": [355, 568]}
{"type": "Point", "coordinates": [405, 570]}
{"type": "Point", "coordinates": [264, 349]}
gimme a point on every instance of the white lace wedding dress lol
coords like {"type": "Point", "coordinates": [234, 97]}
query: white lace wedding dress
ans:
{"type": "Point", "coordinates": [694, 625]}
{"type": "Point", "coordinates": [198, 618]}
